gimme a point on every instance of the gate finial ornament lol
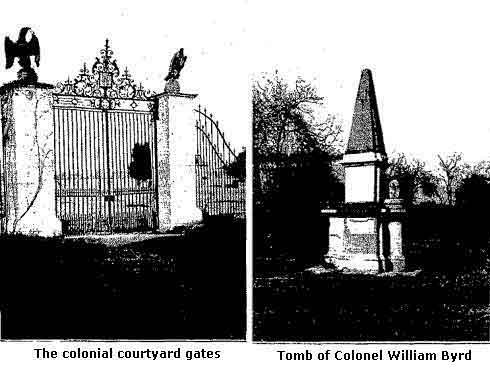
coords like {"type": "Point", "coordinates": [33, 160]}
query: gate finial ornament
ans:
{"type": "Point", "coordinates": [176, 65]}
{"type": "Point", "coordinates": [23, 50]}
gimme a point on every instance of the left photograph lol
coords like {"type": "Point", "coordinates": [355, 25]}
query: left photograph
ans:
{"type": "Point", "coordinates": [122, 202]}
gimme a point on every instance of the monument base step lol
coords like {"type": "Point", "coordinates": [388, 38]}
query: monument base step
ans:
{"type": "Point", "coordinates": [322, 270]}
{"type": "Point", "coordinates": [357, 263]}
{"type": "Point", "coordinates": [366, 263]}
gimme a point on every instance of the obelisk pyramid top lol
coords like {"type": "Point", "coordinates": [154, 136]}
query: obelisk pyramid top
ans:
{"type": "Point", "coordinates": [366, 134]}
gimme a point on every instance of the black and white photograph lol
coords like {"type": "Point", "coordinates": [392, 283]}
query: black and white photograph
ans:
{"type": "Point", "coordinates": [371, 179]}
{"type": "Point", "coordinates": [244, 183]}
{"type": "Point", "coordinates": [122, 176]}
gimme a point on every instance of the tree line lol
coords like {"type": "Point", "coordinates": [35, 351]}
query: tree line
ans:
{"type": "Point", "coordinates": [296, 174]}
{"type": "Point", "coordinates": [289, 139]}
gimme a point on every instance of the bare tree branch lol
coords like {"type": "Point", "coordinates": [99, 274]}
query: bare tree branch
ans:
{"type": "Point", "coordinates": [451, 172]}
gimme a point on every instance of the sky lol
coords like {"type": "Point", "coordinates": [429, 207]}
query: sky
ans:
{"type": "Point", "coordinates": [144, 35]}
{"type": "Point", "coordinates": [429, 59]}
{"type": "Point", "coordinates": [430, 62]}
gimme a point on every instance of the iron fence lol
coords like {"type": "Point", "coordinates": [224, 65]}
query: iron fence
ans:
{"type": "Point", "coordinates": [105, 170]}
{"type": "Point", "coordinates": [219, 192]}
{"type": "Point", "coordinates": [105, 155]}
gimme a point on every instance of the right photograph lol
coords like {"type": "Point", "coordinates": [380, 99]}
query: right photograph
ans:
{"type": "Point", "coordinates": [366, 229]}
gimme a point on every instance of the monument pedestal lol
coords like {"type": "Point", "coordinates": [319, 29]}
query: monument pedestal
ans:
{"type": "Point", "coordinates": [28, 149]}
{"type": "Point", "coordinates": [354, 244]}
{"type": "Point", "coordinates": [360, 244]}
{"type": "Point", "coordinates": [176, 155]}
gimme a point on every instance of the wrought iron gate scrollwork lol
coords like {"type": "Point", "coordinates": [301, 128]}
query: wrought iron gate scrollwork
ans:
{"type": "Point", "coordinates": [101, 117]}
{"type": "Point", "coordinates": [218, 191]}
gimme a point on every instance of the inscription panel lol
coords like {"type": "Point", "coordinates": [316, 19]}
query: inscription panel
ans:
{"type": "Point", "coordinates": [362, 236]}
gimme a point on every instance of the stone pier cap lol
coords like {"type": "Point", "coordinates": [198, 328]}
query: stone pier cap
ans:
{"type": "Point", "coordinates": [24, 84]}
{"type": "Point", "coordinates": [388, 210]}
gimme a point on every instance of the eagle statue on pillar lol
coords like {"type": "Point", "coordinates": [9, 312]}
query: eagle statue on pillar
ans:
{"type": "Point", "coordinates": [176, 65]}
{"type": "Point", "coordinates": [27, 45]}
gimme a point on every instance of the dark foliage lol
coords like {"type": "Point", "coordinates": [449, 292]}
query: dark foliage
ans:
{"type": "Point", "coordinates": [237, 168]}
{"type": "Point", "coordinates": [140, 166]}
{"type": "Point", "coordinates": [292, 173]}
{"type": "Point", "coordinates": [287, 205]}
{"type": "Point", "coordinates": [414, 179]}
{"type": "Point", "coordinates": [474, 192]}
{"type": "Point", "coordinates": [190, 286]}
{"type": "Point", "coordinates": [446, 238]}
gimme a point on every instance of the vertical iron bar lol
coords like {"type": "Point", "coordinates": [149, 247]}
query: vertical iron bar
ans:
{"type": "Point", "coordinates": [80, 158]}
{"type": "Point", "coordinates": [64, 156]}
{"type": "Point", "coordinates": [56, 155]}
{"type": "Point", "coordinates": [140, 134]}
{"type": "Point", "coordinates": [144, 139]}
{"type": "Point", "coordinates": [197, 165]}
{"type": "Point", "coordinates": [136, 193]}
{"type": "Point", "coordinates": [99, 169]}
{"type": "Point", "coordinates": [72, 169]}
{"type": "Point", "coordinates": [133, 141]}
{"type": "Point", "coordinates": [117, 167]}
{"type": "Point", "coordinates": [108, 168]}
{"type": "Point", "coordinates": [76, 178]}
{"type": "Point", "coordinates": [124, 134]}
{"type": "Point", "coordinates": [129, 184]}
{"type": "Point", "coordinates": [90, 184]}
{"type": "Point", "coordinates": [155, 167]}
{"type": "Point", "coordinates": [86, 171]}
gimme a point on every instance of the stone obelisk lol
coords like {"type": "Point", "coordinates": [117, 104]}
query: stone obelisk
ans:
{"type": "Point", "coordinates": [356, 230]}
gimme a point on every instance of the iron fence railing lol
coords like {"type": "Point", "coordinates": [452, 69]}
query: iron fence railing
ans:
{"type": "Point", "coordinates": [218, 191]}
{"type": "Point", "coordinates": [105, 170]}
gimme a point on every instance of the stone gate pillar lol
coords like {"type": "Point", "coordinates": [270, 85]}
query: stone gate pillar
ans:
{"type": "Point", "coordinates": [29, 163]}
{"type": "Point", "coordinates": [176, 153]}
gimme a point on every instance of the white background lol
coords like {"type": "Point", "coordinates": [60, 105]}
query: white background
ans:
{"type": "Point", "coordinates": [234, 355]}
{"type": "Point", "coordinates": [430, 61]}
{"type": "Point", "coordinates": [144, 35]}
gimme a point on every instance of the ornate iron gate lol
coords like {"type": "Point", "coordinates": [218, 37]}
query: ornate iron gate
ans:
{"type": "Point", "coordinates": [220, 186]}
{"type": "Point", "coordinates": [104, 151]}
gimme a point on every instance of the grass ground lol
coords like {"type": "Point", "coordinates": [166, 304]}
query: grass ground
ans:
{"type": "Point", "coordinates": [442, 306]}
{"type": "Point", "coordinates": [189, 286]}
